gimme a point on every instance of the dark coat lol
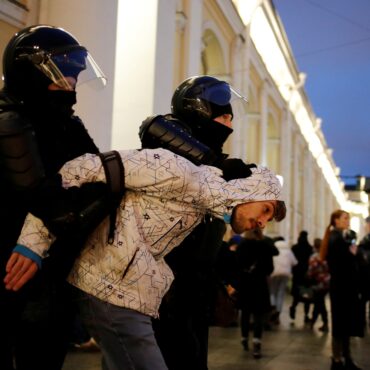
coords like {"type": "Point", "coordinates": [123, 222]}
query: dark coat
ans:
{"type": "Point", "coordinates": [255, 264]}
{"type": "Point", "coordinates": [60, 139]}
{"type": "Point", "coordinates": [45, 319]}
{"type": "Point", "coordinates": [302, 252]}
{"type": "Point", "coordinates": [364, 263]}
{"type": "Point", "coordinates": [347, 310]}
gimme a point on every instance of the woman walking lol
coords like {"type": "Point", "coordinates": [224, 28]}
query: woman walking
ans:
{"type": "Point", "coordinates": [347, 314]}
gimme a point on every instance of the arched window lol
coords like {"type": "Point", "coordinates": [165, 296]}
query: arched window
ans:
{"type": "Point", "coordinates": [213, 62]}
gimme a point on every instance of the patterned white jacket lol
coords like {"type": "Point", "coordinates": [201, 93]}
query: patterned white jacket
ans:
{"type": "Point", "coordinates": [166, 197]}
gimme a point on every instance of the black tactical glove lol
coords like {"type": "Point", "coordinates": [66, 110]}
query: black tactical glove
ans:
{"type": "Point", "coordinates": [235, 168]}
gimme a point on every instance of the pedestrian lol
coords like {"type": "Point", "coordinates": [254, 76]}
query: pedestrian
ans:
{"type": "Point", "coordinates": [347, 311]}
{"type": "Point", "coordinates": [302, 251]}
{"type": "Point", "coordinates": [254, 263]}
{"type": "Point", "coordinates": [200, 105]}
{"type": "Point", "coordinates": [38, 134]}
{"type": "Point", "coordinates": [278, 282]}
{"type": "Point", "coordinates": [121, 285]}
{"type": "Point", "coordinates": [318, 274]}
{"type": "Point", "coordinates": [226, 306]}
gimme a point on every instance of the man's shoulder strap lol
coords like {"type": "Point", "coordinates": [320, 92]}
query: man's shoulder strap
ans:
{"type": "Point", "coordinates": [114, 171]}
{"type": "Point", "coordinates": [115, 175]}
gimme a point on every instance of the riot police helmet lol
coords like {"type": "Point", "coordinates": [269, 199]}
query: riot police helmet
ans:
{"type": "Point", "coordinates": [40, 55]}
{"type": "Point", "coordinates": [199, 100]}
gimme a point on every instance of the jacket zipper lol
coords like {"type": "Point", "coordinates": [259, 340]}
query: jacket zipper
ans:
{"type": "Point", "coordinates": [178, 222]}
{"type": "Point", "coordinates": [129, 264]}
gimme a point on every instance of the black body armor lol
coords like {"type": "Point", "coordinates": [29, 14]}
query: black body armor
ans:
{"type": "Point", "coordinates": [20, 162]}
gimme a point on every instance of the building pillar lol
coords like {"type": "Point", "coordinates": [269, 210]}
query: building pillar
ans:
{"type": "Point", "coordinates": [295, 189]}
{"type": "Point", "coordinates": [240, 124]}
{"type": "Point", "coordinates": [143, 80]}
{"type": "Point", "coordinates": [307, 193]}
{"type": "Point", "coordinates": [285, 165]}
{"type": "Point", "coordinates": [263, 128]}
{"type": "Point", "coordinates": [323, 221]}
{"type": "Point", "coordinates": [194, 32]}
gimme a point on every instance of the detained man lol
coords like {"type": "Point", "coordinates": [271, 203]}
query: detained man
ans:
{"type": "Point", "coordinates": [120, 285]}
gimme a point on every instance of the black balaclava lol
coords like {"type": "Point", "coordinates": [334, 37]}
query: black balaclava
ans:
{"type": "Point", "coordinates": [212, 133]}
{"type": "Point", "coordinates": [39, 100]}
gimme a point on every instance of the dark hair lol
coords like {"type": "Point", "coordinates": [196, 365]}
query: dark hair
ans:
{"type": "Point", "coordinates": [280, 210]}
{"type": "Point", "coordinates": [303, 237]}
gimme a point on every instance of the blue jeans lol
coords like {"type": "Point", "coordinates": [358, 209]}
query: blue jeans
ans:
{"type": "Point", "coordinates": [126, 337]}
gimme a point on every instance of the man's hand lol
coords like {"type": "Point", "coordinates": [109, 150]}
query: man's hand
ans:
{"type": "Point", "coordinates": [20, 270]}
{"type": "Point", "coordinates": [235, 168]}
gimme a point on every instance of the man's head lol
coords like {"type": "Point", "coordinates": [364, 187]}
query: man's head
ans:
{"type": "Point", "coordinates": [41, 56]}
{"type": "Point", "coordinates": [204, 103]}
{"type": "Point", "coordinates": [255, 200]}
{"type": "Point", "coordinates": [255, 215]}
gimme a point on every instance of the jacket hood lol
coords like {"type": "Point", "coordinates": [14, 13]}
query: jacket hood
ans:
{"type": "Point", "coordinates": [261, 185]}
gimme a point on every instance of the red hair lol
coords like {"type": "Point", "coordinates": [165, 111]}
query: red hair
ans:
{"type": "Point", "coordinates": [325, 241]}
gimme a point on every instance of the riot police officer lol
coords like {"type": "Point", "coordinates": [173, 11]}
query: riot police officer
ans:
{"type": "Point", "coordinates": [198, 126]}
{"type": "Point", "coordinates": [42, 65]}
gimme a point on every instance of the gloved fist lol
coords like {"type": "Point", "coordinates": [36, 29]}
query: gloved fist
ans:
{"type": "Point", "coordinates": [235, 168]}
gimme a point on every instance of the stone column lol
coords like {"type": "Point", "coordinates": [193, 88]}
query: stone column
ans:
{"type": "Point", "coordinates": [194, 31]}
{"type": "Point", "coordinates": [263, 121]}
{"type": "Point", "coordinates": [143, 66]}
{"type": "Point", "coordinates": [285, 165]}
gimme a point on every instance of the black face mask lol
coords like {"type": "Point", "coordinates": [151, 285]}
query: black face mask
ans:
{"type": "Point", "coordinates": [61, 101]}
{"type": "Point", "coordinates": [56, 103]}
{"type": "Point", "coordinates": [213, 134]}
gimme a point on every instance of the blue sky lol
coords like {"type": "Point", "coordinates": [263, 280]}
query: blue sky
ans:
{"type": "Point", "coordinates": [330, 40]}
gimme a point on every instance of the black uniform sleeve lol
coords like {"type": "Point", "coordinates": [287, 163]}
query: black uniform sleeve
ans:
{"type": "Point", "coordinates": [74, 210]}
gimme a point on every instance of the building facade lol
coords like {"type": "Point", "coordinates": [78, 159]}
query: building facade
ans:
{"type": "Point", "coordinates": [147, 47]}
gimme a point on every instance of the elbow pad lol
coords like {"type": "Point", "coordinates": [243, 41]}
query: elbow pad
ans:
{"type": "Point", "coordinates": [172, 134]}
{"type": "Point", "coordinates": [20, 161]}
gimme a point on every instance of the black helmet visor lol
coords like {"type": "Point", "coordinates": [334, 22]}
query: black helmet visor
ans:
{"type": "Point", "coordinates": [220, 93]}
{"type": "Point", "coordinates": [60, 66]}
{"type": "Point", "coordinates": [204, 100]}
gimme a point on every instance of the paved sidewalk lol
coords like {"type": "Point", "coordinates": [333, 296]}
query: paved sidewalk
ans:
{"type": "Point", "coordinates": [291, 346]}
